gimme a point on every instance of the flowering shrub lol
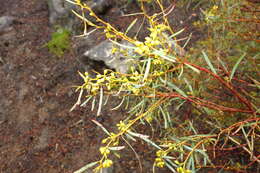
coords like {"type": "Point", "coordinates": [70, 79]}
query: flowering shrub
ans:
{"type": "Point", "coordinates": [212, 87]}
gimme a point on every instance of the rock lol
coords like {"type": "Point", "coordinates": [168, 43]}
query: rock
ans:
{"type": "Point", "coordinates": [100, 6]}
{"type": "Point", "coordinates": [6, 22]}
{"type": "Point", "coordinates": [60, 12]}
{"type": "Point", "coordinates": [103, 52]}
{"type": "Point", "coordinates": [117, 61]}
{"type": "Point", "coordinates": [56, 9]}
{"type": "Point", "coordinates": [81, 44]}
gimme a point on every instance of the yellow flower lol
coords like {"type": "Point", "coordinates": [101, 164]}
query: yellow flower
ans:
{"type": "Point", "coordinates": [78, 1]}
{"type": "Point", "coordinates": [211, 14]}
{"type": "Point", "coordinates": [113, 136]}
{"type": "Point", "coordinates": [143, 49]}
{"type": "Point", "coordinates": [160, 153]}
{"type": "Point", "coordinates": [182, 170]}
{"type": "Point", "coordinates": [159, 162]}
{"type": "Point", "coordinates": [154, 34]}
{"type": "Point", "coordinates": [157, 61]}
{"type": "Point", "coordinates": [149, 118]}
{"type": "Point", "coordinates": [114, 50]}
{"type": "Point", "coordinates": [138, 44]}
{"type": "Point", "coordinates": [109, 35]}
{"type": "Point", "coordinates": [104, 151]}
{"type": "Point", "coordinates": [121, 126]}
{"type": "Point", "coordinates": [107, 163]}
{"type": "Point", "coordinates": [136, 91]}
{"type": "Point", "coordinates": [105, 141]}
{"type": "Point", "coordinates": [94, 88]}
{"type": "Point", "coordinates": [215, 7]}
{"type": "Point", "coordinates": [108, 85]}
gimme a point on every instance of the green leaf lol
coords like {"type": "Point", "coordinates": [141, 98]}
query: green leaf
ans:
{"type": "Point", "coordinates": [116, 148]}
{"type": "Point", "coordinates": [236, 65]}
{"type": "Point", "coordinates": [147, 70]}
{"type": "Point", "coordinates": [190, 87]}
{"type": "Point", "coordinates": [176, 33]}
{"type": "Point", "coordinates": [122, 45]}
{"type": "Point", "coordinates": [208, 62]}
{"type": "Point", "coordinates": [86, 101]}
{"type": "Point", "coordinates": [130, 26]}
{"type": "Point", "coordinates": [193, 68]}
{"type": "Point", "coordinates": [84, 168]}
{"type": "Point", "coordinates": [137, 135]}
{"type": "Point", "coordinates": [174, 87]}
{"type": "Point", "coordinates": [120, 104]}
{"type": "Point", "coordinates": [187, 41]}
{"type": "Point", "coordinates": [151, 143]}
{"type": "Point", "coordinates": [162, 55]}
{"type": "Point", "coordinates": [101, 126]}
{"type": "Point", "coordinates": [100, 102]}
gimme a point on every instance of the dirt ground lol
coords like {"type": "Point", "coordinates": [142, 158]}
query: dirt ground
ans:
{"type": "Point", "coordinates": [37, 131]}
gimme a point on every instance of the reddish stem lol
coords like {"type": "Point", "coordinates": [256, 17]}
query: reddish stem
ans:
{"type": "Point", "coordinates": [235, 93]}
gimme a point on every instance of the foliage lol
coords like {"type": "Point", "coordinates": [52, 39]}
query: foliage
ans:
{"type": "Point", "coordinates": [204, 100]}
{"type": "Point", "coordinates": [60, 42]}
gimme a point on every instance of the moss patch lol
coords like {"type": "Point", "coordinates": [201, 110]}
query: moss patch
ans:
{"type": "Point", "coordinates": [60, 42]}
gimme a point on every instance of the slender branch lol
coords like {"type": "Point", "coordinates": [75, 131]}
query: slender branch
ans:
{"type": "Point", "coordinates": [235, 93]}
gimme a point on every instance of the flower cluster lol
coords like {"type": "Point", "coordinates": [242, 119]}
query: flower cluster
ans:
{"type": "Point", "coordinates": [155, 41]}
{"type": "Point", "coordinates": [113, 81]}
{"type": "Point", "coordinates": [121, 126]}
{"type": "Point", "coordinates": [211, 14]}
{"type": "Point", "coordinates": [159, 162]}
{"type": "Point", "coordinates": [105, 162]}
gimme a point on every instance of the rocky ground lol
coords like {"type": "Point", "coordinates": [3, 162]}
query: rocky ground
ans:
{"type": "Point", "coordinates": [37, 131]}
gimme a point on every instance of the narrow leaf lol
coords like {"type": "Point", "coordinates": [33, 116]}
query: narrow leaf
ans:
{"type": "Point", "coordinates": [116, 148]}
{"type": "Point", "coordinates": [193, 68]}
{"type": "Point", "coordinates": [130, 26]}
{"type": "Point", "coordinates": [208, 62]}
{"type": "Point", "coordinates": [100, 102]}
{"type": "Point", "coordinates": [130, 137]}
{"type": "Point", "coordinates": [174, 87]}
{"type": "Point", "coordinates": [120, 104]}
{"type": "Point", "coordinates": [176, 33]}
{"type": "Point", "coordinates": [101, 126]}
{"type": "Point", "coordinates": [137, 135]}
{"type": "Point", "coordinates": [162, 55]}
{"type": "Point", "coordinates": [236, 65]}
{"type": "Point", "coordinates": [84, 168]}
{"type": "Point", "coordinates": [122, 45]}
{"type": "Point", "coordinates": [86, 101]}
{"type": "Point", "coordinates": [147, 70]}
